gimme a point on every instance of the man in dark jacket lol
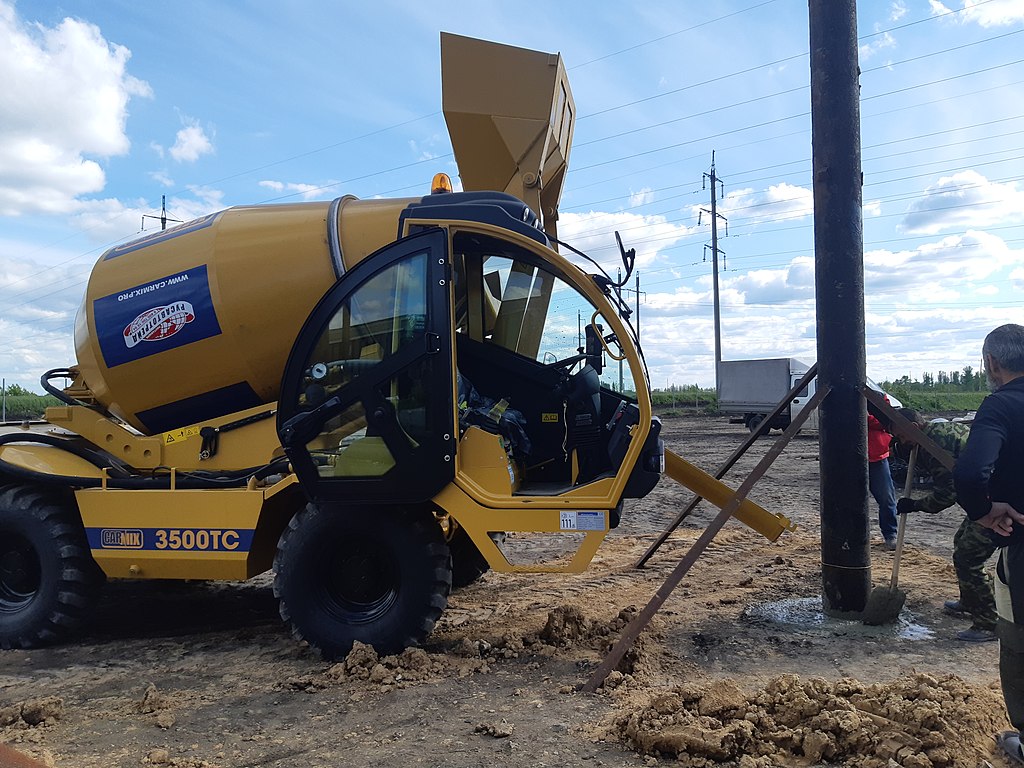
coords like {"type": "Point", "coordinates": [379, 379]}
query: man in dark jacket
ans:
{"type": "Point", "coordinates": [972, 546]}
{"type": "Point", "coordinates": [989, 481]}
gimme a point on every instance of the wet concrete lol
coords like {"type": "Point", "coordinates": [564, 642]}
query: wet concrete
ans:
{"type": "Point", "coordinates": [806, 615]}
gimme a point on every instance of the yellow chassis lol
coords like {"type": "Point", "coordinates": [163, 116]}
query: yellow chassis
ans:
{"type": "Point", "coordinates": [232, 533]}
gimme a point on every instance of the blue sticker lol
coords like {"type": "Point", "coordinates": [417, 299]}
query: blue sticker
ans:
{"type": "Point", "coordinates": [183, 539]}
{"type": "Point", "coordinates": [154, 317]}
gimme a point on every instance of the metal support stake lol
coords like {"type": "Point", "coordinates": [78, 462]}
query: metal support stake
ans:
{"type": "Point", "coordinates": [727, 465]}
{"type": "Point", "coordinates": [637, 625]}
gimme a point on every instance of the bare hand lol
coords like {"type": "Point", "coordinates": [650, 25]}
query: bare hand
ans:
{"type": "Point", "coordinates": [1001, 518]}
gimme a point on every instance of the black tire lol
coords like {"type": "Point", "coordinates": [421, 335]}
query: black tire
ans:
{"type": "Point", "coordinates": [49, 582]}
{"type": "Point", "coordinates": [378, 575]}
{"type": "Point", "coordinates": [754, 422]}
{"type": "Point", "coordinates": [468, 564]}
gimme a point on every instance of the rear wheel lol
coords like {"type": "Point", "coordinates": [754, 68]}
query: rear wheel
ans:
{"type": "Point", "coordinates": [754, 422]}
{"type": "Point", "coordinates": [378, 575]}
{"type": "Point", "coordinates": [49, 582]}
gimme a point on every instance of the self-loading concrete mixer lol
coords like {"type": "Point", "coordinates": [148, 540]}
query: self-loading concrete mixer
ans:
{"type": "Point", "coordinates": [364, 395]}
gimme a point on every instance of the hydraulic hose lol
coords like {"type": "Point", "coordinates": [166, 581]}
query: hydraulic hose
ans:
{"type": "Point", "coordinates": [124, 478]}
{"type": "Point", "coordinates": [96, 458]}
{"type": "Point", "coordinates": [55, 373]}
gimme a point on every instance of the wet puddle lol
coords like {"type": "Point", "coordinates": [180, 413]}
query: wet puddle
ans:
{"type": "Point", "coordinates": [805, 614]}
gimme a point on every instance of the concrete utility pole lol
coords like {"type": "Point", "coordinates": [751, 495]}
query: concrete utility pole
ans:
{"type": "Point", "coordinates": [715, 250]}
{"type": "Point", "coordinates": [839, 293]}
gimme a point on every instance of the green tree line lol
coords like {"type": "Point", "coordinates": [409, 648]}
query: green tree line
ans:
{"type": "Point", "coordinates": [18, 404]}
{"type": "Point", "coordinates": [961, 390]}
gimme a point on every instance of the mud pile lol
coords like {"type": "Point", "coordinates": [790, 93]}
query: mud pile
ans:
{"type": "Point", "coordinates": [363, 664]}
{"type": "Point", "coordinates": [32, 712]}
{"type": "Point", "coordinates": [566, 628]}
{"type": "Point", "coordinates": [567, 625]}
{"type": "Point", "coordinates": [917, 722]}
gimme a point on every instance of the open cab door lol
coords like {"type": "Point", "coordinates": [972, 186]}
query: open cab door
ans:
{"type": "Point", "coordinates": [554, 432]}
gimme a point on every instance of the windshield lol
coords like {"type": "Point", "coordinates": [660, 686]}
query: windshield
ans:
{"type": "Point", "coordinates": [505, 297]}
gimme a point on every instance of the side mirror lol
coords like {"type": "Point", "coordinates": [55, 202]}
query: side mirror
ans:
{"type": "Point", "coordinates": [594, 349]}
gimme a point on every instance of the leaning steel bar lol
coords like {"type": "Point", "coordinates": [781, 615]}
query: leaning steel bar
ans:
{"type": "Point", "coordinates": [638, 624]}
{"type": "Point", "coordinates": [905, 430]}
{"type": "Point", "coordinates": [727, 464]}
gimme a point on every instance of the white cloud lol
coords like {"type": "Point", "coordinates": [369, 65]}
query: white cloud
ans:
{"type": "Point", "coordinates": [643, 197]}
{"type": "Point", "coordinates": [305, 191]}
{"type": "Point", "coordinates": [191, 143]}
{"type": "Point", "coordinates": [956, 261]}
{"type": "Point", "coordinates": [993, 13]}
{"type": "Point", "coordinates": [878, 43]}
{"type": "Point", "coordinates": [161, 178]}
{"type": "Point", "coordinates": [594, 234]}
{"type": "Point", "coordinates": [208, 200]}
{"type": "Point", "coordinates": [794, 282]}
{"type": "Point", "coordinates": [110, 221]}
{"type": "Point", "coordinates": [1017, 279]}
{"type": "Point", "coordinates": [64, 102]}
{"type": "Point", "coordinates": [40, 302]}
{"type": "Point", "coordinates": [964, 199]}
{"type": "Point", "coordinates": [430, 148]}
{"type": "Point", "coordinates": [897, 10]}
{"type": "Point", "coordinates": [779, 201]}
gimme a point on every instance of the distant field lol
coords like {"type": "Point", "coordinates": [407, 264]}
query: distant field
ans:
{"type": "Point", "coordinates": [22, 407]}
{"type": "Point", "coordinates": [929, 402]}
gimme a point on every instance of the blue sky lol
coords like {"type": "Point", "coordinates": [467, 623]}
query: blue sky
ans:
{"type": "Point", "coordinates": [108, 106]}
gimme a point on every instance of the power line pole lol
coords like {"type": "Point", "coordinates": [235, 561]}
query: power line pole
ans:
{"type": "Point", "coordinates": [715, 250]}
{"type": "Point", "coordinates": [163, 217]}
{"type": "Point", "coordinates": [638, 293]}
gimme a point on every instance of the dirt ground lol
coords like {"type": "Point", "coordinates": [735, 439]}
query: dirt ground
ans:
{"type": "Point", "coordinates": [739, 667]}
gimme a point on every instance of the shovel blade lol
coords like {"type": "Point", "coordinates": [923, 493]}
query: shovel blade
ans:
{"type": "Point", "coordinates": [884, 606]}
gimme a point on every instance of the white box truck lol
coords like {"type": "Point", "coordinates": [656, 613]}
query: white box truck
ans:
{"type": "Point", "coordinates": [750, 389]}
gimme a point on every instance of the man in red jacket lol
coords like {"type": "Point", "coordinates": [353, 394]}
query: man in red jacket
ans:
{"type": "Point", "coordinates": [880, 480]}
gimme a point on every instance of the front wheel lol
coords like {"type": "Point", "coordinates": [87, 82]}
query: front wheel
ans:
{"type": "Point", "coordinates": [49, 582]}
{"type": "Point", "coordinates": [379, 575]}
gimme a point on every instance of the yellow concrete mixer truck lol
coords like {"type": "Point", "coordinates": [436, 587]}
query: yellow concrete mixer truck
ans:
{"type": "Point", "coordinates": [365, 396]}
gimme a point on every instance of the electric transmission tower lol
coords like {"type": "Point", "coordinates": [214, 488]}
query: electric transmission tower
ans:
{"type": "Point", "coordinates": [716, 186]}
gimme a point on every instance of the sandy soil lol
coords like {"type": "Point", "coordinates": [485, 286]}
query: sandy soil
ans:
{"type": "Point", "coordinates": [739, 668]}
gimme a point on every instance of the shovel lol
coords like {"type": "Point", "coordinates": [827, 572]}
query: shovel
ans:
{"type": "Point", "coordinates": [885, 603]}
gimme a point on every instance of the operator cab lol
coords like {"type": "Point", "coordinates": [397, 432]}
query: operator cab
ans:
{"type": "Point", "coordinates": [460, 356]}
{"type": "Point", "coordinates": [528, 341]}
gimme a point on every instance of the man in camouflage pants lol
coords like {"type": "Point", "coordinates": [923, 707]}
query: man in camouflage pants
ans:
{"type": "Point", "coordinates": [972, 547]}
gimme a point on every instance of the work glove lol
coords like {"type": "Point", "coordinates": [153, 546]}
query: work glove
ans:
{"type": "Point", "coordinates": [905, 505]}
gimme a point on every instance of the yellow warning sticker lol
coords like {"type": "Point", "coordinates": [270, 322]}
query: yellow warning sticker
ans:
{"type": "Point", "coordinates": [178, 435]}
{"type": "Point", "coordinates": [553, 417]}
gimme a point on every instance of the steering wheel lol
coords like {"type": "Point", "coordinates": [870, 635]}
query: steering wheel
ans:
{"type": "Point", "coordinates": [606, 339]}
